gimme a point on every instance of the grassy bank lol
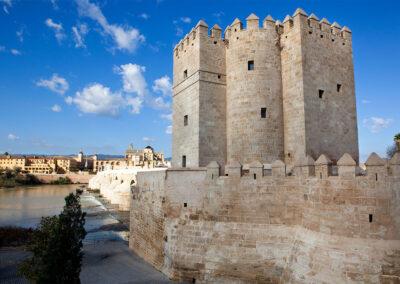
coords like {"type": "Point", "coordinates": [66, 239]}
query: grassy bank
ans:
{"type": "Point", "coordinates": [12, 178]}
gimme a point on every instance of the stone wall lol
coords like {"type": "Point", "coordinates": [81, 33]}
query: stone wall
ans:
{"type": "Point", "coordinates": [199, 94]}
{"type": "Point", "coordinates": [293, 63]}
{"type": "Point", "coordinates": [74, 177]}
{"type": "Point", "coordinates": [147, 217]}
{"type": "Point", "coordinates": [251, 137]}
{"type": "Point", "coordinates": [245, 227]}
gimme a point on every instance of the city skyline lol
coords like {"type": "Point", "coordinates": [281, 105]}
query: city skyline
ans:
{"type": "Point", "coordinates": [97, 75]}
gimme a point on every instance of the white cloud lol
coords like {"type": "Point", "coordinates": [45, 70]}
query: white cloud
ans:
{"type": "Point", "coordinates": [366, 101]}
{"type": "Point", "coordinates": [56, 108]}
{"type": "Point", "coordinates": [148, 139]}
{"type": "Point", "coordinates": [158, 103]}
{"type": "Point", "coordinates": [144, 16]}
{"type": "Point", "coordinates": [57, 28]}
{"type": "Point", "coordinates": [69, 100]}
{"type": "Point", "coordinates": [186, 20]}
{"type": "Point", "coordinates": [2, 48]}
{"type": "Point", "coordinates": [133, 79]}
{"type": "Point", "coordinates": [97, 99]}
{"type": "Point", "coordinates": [6, 5]}
{"type": "Point", "coordinates": [166, 116]}
{"type": "Point", "coordinates": [79, 33]}
{"type": "Point", "coordinates": [56, 84]}
{"type": "Point", "coordinates": [163, 85]}
{"type": "Point", "coordinates": [135, 103]}
{"type": "Point", "coordinates": [54, 3]}
{"type": "Point", "coordinates": [376, 124]}
{"type": "Point", "coordinates": [179, 31]}
{"type": "Point", "coordinates": [125, 37]}
{"type": "Point", "coordinates": [168, 130]}
{"type": "Point", "coordinates": [12, 137]}
{"type": "Point", "coordinates": [218, 16]}
{"type": "Point", "coordinates": [20, 35]}
{"type": "Point", "coordinates": [15, 52]}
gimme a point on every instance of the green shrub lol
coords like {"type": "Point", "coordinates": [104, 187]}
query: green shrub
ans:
{"type": "Point", "coordinates": [62, 180]}
{"type": "Point", "coordinates": [57, 246]}
{"type": "Point", "coordinates": [11, 178]}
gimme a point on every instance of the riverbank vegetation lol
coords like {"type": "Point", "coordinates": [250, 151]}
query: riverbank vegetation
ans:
{"type": "Point", "coordinates": [57, 246]}
{"type": "Point", "coordinates": [15, 177]}
{"type": "Point", "coordinates": [62, 180]}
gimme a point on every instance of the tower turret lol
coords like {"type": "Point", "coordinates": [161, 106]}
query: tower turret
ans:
{"type": "Point", "coordinates": [254, 93]}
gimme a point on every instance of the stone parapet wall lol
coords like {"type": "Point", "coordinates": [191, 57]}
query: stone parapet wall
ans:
{"type": "Point", "coordinates": [306, 227]}
{"type": "Point", "coordinates": [74, 177]}
{"type": "Point", "coordinates": [147, 217]}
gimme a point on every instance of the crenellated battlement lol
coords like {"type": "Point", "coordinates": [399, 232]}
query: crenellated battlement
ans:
{"type": "Point", "coordinates": [309, 23]}
{"type": "Point", "coordinates": [193, 223]}
{"type": "Point", "coordinates": [323, 168]}
{"type": "Point", "coordinates": [250, 90]}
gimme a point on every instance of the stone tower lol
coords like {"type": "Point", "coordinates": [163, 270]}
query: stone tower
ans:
{"type": "Point", "coordinates": [318, 88]}
{"type": "Point", "coordinates": [279, 91]}
{"type": "Point", "coordinates": [254, 116]}
{"type": "Point", "coordinates": [199, 100]}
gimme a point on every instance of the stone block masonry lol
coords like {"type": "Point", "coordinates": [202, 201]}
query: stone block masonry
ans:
{"type": "Point", "coordinates": [265, 185]}
{"type": "Point", "coordinates": [279, 91]}
{"type": "Point", "coordinates": [303, 228]}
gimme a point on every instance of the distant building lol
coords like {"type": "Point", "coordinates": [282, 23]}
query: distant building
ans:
{"type": "Point", "coordinates": [134, 158]}
{"type": "Point", "coordinates": [40, 164]}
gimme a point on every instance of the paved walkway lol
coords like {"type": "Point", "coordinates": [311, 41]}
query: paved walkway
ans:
{"type": "Point", "coordinates": [104, 262]}
{"type": "Point", "coordinates": [107, 257]}
{"type": "Point", "coordinates": [114, 262]}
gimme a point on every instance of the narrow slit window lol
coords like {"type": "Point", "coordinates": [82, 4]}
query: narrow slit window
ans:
{"type": "Point", "coordinates": [255, 176]}
{"type": "Point", "coordinates": [263, 112]}
{"type": "Point", "coordinates": [185, 74]}
{"type": "Point", "coordinates": [185, 120]}
{"type": "Point", "coordinates": [320, 93]}
{"type": "Point", "coordinates": [370, 218]}
{"type": "Point", "coordinates": [185, 204]}
{"type": "Point", "coordinates": [338, 87]}
{"type": "Point", "coordinates": [250, 65]}
{"type": "Point", "coordinates": [183, 161]}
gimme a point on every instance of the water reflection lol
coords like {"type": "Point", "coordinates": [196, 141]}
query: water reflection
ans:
{"type": "Point", "coordinates": [24, 206]}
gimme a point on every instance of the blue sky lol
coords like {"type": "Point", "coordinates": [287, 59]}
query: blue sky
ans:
{"type": "Point", "coordinates": [95, 75]}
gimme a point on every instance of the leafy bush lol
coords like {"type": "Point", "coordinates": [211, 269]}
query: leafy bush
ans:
{"type": "Point", "coordinates": [11, 178]}
{"type": "Point", "coordinates": [57, 246]}
{"type": "Point", "coordinates": [62, 180]}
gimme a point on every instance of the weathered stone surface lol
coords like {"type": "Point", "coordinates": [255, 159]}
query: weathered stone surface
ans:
{"type": "Point", "coordinates": [269, 229]}
{"type": "Point", "coordinates": [276, 92]}
{"type": "Point", "coordinates": [296, 225]}
{"type": "Point", "coordinates": [374, 160]}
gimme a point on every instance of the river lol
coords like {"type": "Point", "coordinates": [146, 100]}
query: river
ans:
{"type": "Point", "coordinates": [25, 205]}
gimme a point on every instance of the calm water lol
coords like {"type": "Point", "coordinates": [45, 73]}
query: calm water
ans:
{"type": "Point", "coordinates": [24, 206]}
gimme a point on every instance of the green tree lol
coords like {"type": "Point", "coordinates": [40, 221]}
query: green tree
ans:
{"type": "Point", "coordinates": [390, 151]}
{"type": "Point", "coordinates": [57, 246]}
{"type": "Point", "coordinates": [397, 137]}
